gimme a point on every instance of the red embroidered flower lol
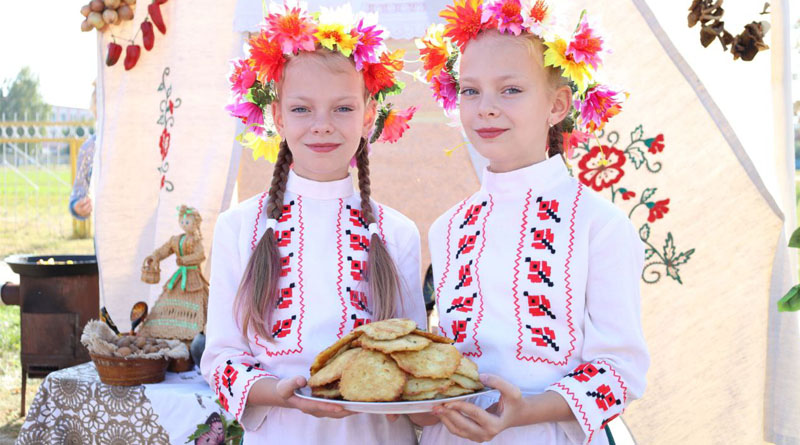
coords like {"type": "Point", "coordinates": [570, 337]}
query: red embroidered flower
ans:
{"type": "Point", "coordinates": [627, 194]}
{"type": "Point", "coordinates": [163, 143]}
{"type": "Point", "coordinates": [657, 210]}
{"type": "Point", "coordinates": [599, 173]}
{"type": "Point", "coordinates": [163, 178]}
{"type": "Point", "coordinates": [655, 145]}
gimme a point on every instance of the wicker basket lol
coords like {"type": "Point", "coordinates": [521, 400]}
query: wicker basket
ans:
{"type": "Point", "coordinates": [151, 271]}
{"type": "Point", "coordinates": [129, 372]}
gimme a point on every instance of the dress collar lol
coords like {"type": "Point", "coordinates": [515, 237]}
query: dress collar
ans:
{"type": "Point", "coordinates": [341, 188]}
{"type": "Point", "coordinates": [540, 177]}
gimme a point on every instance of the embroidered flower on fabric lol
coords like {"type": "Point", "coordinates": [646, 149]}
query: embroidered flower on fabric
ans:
{"type": "Point", "coordinates": [69, 393]}
{"type": "Point", "coordinates": [655, 145]}
{"type": "Point", "coordinates": [119, 433]}
{"type": "Point", "coordinates": [70, 430]}
{"type": "Point", "coordinates": [657, 210]}
{"type": "Point", "coordinates": [598, 172]}
{"type": "Point", "coordinates": [146, 420]}
{"type": "Point", "coordinates": [94, 416]}
{"type": "Point", "coordinates": [120, 399]}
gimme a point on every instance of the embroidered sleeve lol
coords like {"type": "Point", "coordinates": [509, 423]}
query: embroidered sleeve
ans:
{"type": "Point", "coordinates": [228, 364]}
{"type": "Point", "coordinates": [614, 352]}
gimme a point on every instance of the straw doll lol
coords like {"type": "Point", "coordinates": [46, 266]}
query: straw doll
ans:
{"type": "Point", "coordinates": [180, 311]}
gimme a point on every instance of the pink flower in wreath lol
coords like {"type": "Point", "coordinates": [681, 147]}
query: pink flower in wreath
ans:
{"type": "Point", "coordinates": [163, 143]}
{"type": "Point", "coordinates": [599, 172]}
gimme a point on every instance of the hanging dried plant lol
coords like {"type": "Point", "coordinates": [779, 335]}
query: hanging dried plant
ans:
{"type": "Point", "coordinates": [744, 46]}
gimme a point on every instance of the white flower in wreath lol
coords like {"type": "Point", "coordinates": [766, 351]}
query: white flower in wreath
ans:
{"type": "Point", "coordinates": [118, 433]}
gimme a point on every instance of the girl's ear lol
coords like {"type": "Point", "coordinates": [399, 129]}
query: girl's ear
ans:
{"type": "Point", "coordinates": [277, 117]}
{"type": "Point", "coordinates": [562, 103]}
{"type": "Point", "coordinates": [369, 118]}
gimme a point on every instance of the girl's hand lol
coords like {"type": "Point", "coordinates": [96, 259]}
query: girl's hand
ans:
{"type": "Point", "coordinates": [474, 423]}
{"type": "Point", "coordinates": [285, 391]}
{"type": "Point", "coordinates": [83, 207]}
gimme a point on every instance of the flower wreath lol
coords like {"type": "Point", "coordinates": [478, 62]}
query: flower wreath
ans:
{"type": "Point", "coordinates": [578, 58]}
{"type": "Point", "coordinates": [286, 31]}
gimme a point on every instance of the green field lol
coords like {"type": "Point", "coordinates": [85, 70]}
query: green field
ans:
{"type": "Point", "coordinates": [36, 222]}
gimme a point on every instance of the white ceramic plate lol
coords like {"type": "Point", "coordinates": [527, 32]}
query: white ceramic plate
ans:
{"type": "Point", "coordinates": [422, 406]}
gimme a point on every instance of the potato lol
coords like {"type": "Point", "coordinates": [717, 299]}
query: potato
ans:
{"type": "Point", "coordinates": [96, 19]}
{"type": "Point", "coordinates": [110, 16]}
{"type": "Point", "coordinates": [125, 12]}
{"type": "Point", "coordinates": [85, 10]}
{"type": "Point", "coordinates": [124, 351]}
{"type": "Point", "coordinates": [97, 5]}
{"type": "Point", "coordinates": [113, 4]}
{"type": "Point", "coordinates": [86, 26]}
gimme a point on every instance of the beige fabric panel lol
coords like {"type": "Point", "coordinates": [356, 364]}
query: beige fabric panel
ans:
{"type": "Point", "coordinates": [134, 215]}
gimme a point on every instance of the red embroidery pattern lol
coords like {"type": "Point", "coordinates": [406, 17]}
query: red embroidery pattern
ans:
{"type": "Point", "coordinates": [287, 316]}
{"type": "Point", "coordinates": [466, 240]}
{"type": "Point", "coordinates": [579, 406]}
{"type": "Point", "coordinates": [541, 332]}
{"type": "Point", "coordinates": [352, 249]}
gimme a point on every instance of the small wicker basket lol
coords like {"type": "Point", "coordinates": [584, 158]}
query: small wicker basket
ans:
{"type": "Point", "coordinates": [151, 271]}
{"type": "Point", "coordinates": [129, 372]}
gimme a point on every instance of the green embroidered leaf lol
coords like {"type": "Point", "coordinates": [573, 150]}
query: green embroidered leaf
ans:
{"type": "Point", "coordinates": [649, 142]}
{"type": "Point", "coordinates": [648, 193]}
{"type": "Point", "coordinates": [637, 134]}
{"type": "Point", "coordinates": [794, 241]}
{"type": "Point", "coordinates": [791, 301]}
{"type": "Point", "coordinates": [648, 253]}
{"type": "Point", "coordinates": [669, 248]}
{"type": "Point", "coordinates": [201, 429]}
{"type": "Point", "coordinates": [683, 258]}
{"type": "Point", "coordinates": [672, 272]}
{"type": "Point", "coordinates": [644, 232]}
{"type": "Point", "coordinates": [636, 156]}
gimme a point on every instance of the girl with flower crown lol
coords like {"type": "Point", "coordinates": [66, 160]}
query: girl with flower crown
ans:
{"type": "Point", "coordinates": [537, 278]}
{"type": "Point", "coordinates": [295, 268]}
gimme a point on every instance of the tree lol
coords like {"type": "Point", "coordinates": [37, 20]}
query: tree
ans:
{"type": "Point", "coordinates": [22, 96]}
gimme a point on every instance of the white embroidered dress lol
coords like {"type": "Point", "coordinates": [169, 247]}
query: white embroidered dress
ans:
{"type": "Point", "coordinates": [537, 280]}
{"type": "Point", "coordinates": [322, 238]}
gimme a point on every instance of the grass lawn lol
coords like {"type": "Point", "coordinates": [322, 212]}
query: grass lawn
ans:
{"type": "Point", "coordinates": [36, 222]}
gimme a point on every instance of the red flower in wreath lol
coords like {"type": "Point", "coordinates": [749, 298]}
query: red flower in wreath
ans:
{"type": "Point", "coordinates": [163, 143]}
{"type": "Point", "coordinates": [655, 145]}
{"type": "Point", "coordinates": [657, 210]}
{"type": "Point", "coordinates": [600, 172]}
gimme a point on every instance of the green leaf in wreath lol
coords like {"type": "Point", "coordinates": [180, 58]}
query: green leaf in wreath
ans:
{"type": "Point", "coordinates": [791, 301]}
{"type": "Point", "coordinates": [682, 258]}
{"type": "Point", "coordinates": [637, 134]}
{"type": "Point", "coordinates": [794, 241]}
{"type": "Point", "coordinates": [636, 156]}
{"type": "Point", "coordinates": [648, 193]}
{"type": "Point", "coordinates": [644, 232]}
{"type": "Point", "coordinates": [669, 248]}
{"type": "Point", "coordinates": [201, 429]}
